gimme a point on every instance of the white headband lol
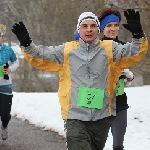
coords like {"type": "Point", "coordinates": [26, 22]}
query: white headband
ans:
{"type": "Point", "coordinates": [87, 16]}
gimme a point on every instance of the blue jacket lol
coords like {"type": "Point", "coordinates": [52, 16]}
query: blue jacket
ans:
{"type": "Point", "coordinates": [7, 55]}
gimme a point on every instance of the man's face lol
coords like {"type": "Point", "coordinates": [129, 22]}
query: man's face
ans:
{"type": "Point", "coordinates": [111, 30]}
{"type": "Point", "coordinates": [88, 31]}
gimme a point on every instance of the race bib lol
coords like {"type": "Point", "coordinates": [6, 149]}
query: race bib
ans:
{"type": "Point", "coordinates": [90, 97]}
{"type": "Point", "coordinates": [120, 89]}
{"type": "Point", "coordinates": [1, 71]}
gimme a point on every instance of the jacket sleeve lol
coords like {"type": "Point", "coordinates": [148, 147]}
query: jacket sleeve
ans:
{"type": "Point", "coordinates": [128, 74]}
{"type": "Point", "coordinates": [130, 53]}
{"type": "Point", "coordinates": [44, 57]}
{"type": "Point", "coordinates": [14, 61]}
{"type": "Point", "coordinates": [14, 65]}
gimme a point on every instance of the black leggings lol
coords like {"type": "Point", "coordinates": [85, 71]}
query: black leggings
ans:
{"type": "Point", "coordinates": [5, 108]}
{"type": "Point", "coordinates": [118, 128]}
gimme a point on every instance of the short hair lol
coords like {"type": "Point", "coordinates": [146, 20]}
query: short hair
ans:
{"type": "Point", "coordinates": [108, 11]}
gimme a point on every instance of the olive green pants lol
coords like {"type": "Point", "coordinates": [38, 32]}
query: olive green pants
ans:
{"type": "Point", "coordinates": [87, 135]}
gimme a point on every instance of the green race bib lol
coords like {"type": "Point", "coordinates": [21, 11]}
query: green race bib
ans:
{"type": "Point", "coordinates": [90, 97]}
{"type": "Point", "coordinates": [120, 89]}
{"type": "Point", "coordinates": [1, 71]}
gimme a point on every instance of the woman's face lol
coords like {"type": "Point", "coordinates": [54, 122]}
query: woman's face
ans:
{"type": "Point", "coordinates": [111, 30]}
{"type": "Point", "coordinates": [1, 39]}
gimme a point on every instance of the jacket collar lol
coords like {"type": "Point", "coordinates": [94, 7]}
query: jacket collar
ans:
{"type": "Point", "coordinates": [106, 38]}
{"type": "Point", "coordinates": [85, 45]}
{"type": "Point", "coordinates": [116, 39]}
{"type": "Point", "coordinates": [1, 46]}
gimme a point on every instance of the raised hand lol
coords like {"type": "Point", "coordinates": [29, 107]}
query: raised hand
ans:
{"type": "Point", "coordinates": [133, 23]}
{"type": "Point", "coordinates": [22, 34]}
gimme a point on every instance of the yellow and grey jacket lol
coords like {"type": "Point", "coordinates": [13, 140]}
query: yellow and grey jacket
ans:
{"type": "Point", "coordinates": [97, 65]}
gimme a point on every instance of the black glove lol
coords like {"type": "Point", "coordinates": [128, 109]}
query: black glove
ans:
{"type": "Point", "coordinates": [22, 34]}
{"type": "Point", "coordinates": [133, 23]}
{"type": "Point", "coordinates": [6, 77]}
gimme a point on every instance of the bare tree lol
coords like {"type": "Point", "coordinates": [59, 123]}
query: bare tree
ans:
{"type": "Point", "coordinates": [49, 22]}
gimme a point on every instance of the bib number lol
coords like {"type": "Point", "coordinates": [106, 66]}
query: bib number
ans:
{"type": "Point", "coordinates": [1, 71]}
{"type": "Point", "coordinates": [120, 90]}
{"type": "Point", "coordinates": [90, 97]}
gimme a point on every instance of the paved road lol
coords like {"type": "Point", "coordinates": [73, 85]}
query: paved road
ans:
{"type": "Point", "coordinates": [23, 136]}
